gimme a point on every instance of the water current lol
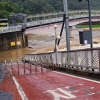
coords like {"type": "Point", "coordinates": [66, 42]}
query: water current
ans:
{"type": "Point", "coordinates": [38, 39]}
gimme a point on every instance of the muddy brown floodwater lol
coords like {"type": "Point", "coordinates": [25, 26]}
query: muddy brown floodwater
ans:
{"type": "Point", "coordinates": [40, 40]}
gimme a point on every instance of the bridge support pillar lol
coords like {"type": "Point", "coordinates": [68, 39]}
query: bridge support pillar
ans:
{"type": "Point", "coordinates": [13, 40]}
{"type": "Point", "coordinates": [23, 39]}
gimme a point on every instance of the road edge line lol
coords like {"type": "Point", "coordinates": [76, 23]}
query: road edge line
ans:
{"type": "Point", "coordinates": [78, 77]}
{"type": "Point", "coordinates": [20, 90]}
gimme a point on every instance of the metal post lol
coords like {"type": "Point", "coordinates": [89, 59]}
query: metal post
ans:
{"type": "Point", "coordinates": [18, 66]}
{"type": "Point", "coordinates": [24, 68]}
{"type": "Point", "coordinates": [90, 22]}
{"type": "Point", "coordinates": [55, 26]}
{"type": "Point", "coordinates": [5, 65]}
{"type": "Point", "coordinates": [66, 24]}
{"type": "Point", "coordinates": [41, 68]}
{"type": "Point", "coordinates": [99, 60]}
{"type": "Point", "coordinates": [23, 36]}
{"type": "Point", "coordinates": [11, 66]}
{"type": "Point", "coordinates": [30, 67]}
{"type": "Point", "coordinates": [36, 69]}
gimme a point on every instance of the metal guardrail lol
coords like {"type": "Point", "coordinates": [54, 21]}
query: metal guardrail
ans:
{"type": "Point", "coordinates": [55, 20]}
{"type": "Point", "coordinates": [85, 59]}
{"type": "Point", "coordinates": [22, 68]}
{"type": "Point", "coordinates": [47, 20]}
{"type": "Point", "coordinates": [10, 29]}
{"type": "Point", "coordinates": [81, 60]}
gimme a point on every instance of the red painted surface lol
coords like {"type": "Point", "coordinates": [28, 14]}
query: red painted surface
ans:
{"type": "Point", "coordinates": [51, 85]}
{"type": "Point", "coordinates": [36, 86]}
{"type": "Point", "coordinates": [8, 85]}
{"type": "Point", "coordinates": [41, 28]}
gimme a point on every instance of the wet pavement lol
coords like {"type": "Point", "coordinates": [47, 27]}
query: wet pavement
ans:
{"type": "Point", "coordinates": [43, 84]}
{"type": "Point", "coordinates": [47, 85]}
{"type": "Point", "coordinates": [4, 95]}
{"type": "Point", "coordinates": [58, 86]}
{"type": "Point", "coordinates": [2, 73]}
{"type": "Point", "coordinates": [9, 89]}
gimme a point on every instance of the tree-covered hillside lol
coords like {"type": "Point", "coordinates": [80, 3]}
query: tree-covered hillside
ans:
{"type": "Point", "coordinates": [28, 7]}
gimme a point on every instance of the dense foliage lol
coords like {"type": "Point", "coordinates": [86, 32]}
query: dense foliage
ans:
{"type": "Point", "coordinates": [8, 7]}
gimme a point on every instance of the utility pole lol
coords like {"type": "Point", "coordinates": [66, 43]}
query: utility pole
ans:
{"type": "Point", "coordinates": [66, 25]}
{"type": "Point", "coordinates": [90, 22]}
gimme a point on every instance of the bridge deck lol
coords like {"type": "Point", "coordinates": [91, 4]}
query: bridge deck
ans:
{"type": "Point", "coordinates": [52, 85]}
{"type": "Point", "coordinates": [57, 86]}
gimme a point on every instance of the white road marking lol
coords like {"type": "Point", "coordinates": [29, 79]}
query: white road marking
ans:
{"type": "Point", "coordinates": [65, 94]}
{"type": "Point", "coordinates": [92, 88]}
{"type": "Point", "coordinates": [80, 84]}
{"type": "Point", "coordinates": [77, 77]}
{"type": "Point", "coordinates": [21, 92]}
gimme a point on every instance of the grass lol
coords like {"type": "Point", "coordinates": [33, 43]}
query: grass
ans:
{"type": "Point", "coordinates": [87, 26]}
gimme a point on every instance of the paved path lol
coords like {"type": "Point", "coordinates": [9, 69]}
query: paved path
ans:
{"type": "Point", "coordinates": [58, 86]}
{"type": "Point", "coordinates": [51, 85]}
{"type": "Point", "coordinates": [8, 90]}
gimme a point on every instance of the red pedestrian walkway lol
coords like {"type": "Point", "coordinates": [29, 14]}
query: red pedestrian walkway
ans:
{"type": "Point", "coordinates": [50, 85]}
{"type": "Point", "coordinates": [58, 86]}
{"type": "Point", "coordinates": [8, 85]}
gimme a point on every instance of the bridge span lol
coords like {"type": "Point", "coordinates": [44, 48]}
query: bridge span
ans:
{"type": "Point", "coordinates": [19, 39]}
{"type": "Point", "coordinates": [75, 17]}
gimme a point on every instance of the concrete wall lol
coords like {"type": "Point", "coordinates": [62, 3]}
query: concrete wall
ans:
{"type": "Point", "coordinates": [12, 40]}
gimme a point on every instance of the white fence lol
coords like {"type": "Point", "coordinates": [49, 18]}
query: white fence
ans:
{"type": "Point", "coordinates": [85, 59]}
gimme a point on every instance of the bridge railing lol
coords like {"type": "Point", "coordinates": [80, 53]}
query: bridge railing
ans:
{"type": "Point", "coordinates": [10, 29]}
{"type": "Point", "coordinates": [85, 59]}
{"type": "Point", "coordinates": [54, 20]}
{"type": "Point", "coordinates": [74, 15]}
{"type": "Point", "coordinates": [57, 14]}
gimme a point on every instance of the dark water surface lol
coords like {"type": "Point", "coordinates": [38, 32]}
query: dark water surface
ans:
{"type": "Point", "coordinates": [14, 54]}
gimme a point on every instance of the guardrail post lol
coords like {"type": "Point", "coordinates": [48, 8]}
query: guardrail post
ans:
{"type": "Point", "coordinates": [76, 59]}
{"type": "Point", "coordinates": [30, 68]}
{"type": "Point", "coordinates": [11, 66]}
{"type": "Point", "coordinates": [24, 67]}
{"type": "Point", "coordinates": [5, 65]}
{"type": "Point", "coordinates": [18, 66]}
{"type": "Point", "coordinates": [86, 59]}
{"type": "Point", "coordinates": [36, 69]}
{"type": "Point", "coordinates": [47, 65]}
{"type": "Point", "coordinates": [92, 58]}
{"type": "Point", "coordinates": [41, 68]}
{"type": "Point", "coordinates": [99, 59]}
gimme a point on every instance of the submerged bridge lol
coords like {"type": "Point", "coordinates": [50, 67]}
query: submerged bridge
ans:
{"type": "Point", "coordinates": [75, 17]}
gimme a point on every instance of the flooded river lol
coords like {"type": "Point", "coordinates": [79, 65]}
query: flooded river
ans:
{"type": "Point", "coordinates": [40, 40]}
